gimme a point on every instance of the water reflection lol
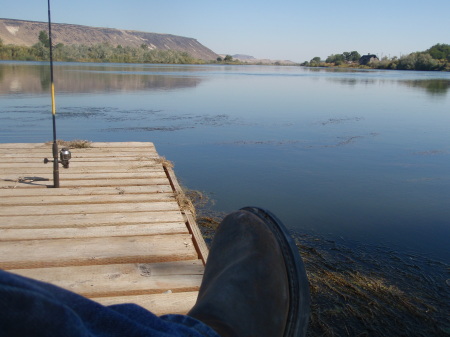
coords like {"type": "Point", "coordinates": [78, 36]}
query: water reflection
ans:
{"type": "Point", "coordinates": [352, 81]}
{"type": "Point", "coordinates": [34, 78]}
{"type": "Point", "coordinates": [438, 87]}
{"type": "Point", "coordinates": [434, 87]}
{"type": "Point", "coordinates": [334, 70]}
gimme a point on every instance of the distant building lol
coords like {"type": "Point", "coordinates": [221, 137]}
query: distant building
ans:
{"type": "Point", "coordinates": [366, 59]}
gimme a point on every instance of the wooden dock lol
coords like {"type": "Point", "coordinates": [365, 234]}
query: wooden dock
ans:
{"type": "Point", "coordinates": [114, 231]}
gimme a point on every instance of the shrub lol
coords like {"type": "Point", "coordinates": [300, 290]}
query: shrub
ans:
{"type": "Point", "coordinates": [417, 61]}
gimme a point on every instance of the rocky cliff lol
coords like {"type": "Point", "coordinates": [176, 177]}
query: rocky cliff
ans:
{"type": "Point", "coordinates": [25, 33]}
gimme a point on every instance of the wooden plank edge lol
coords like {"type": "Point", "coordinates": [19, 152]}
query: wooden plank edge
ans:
{"type": "Point", "coordinates": [197, 237]}
{"type": "Point", "coordinates": [159, 304]}
{"type": "Point", "coordinates": [92, 145]}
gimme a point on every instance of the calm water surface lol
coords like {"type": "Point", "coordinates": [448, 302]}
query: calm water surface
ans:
{"type": "Point", "coordinates": [358, 156]}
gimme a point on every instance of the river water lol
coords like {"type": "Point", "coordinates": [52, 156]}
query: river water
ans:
{"type": "Point", "coordinates": [357, 156]}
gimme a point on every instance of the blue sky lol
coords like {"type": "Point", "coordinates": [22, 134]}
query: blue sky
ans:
{"type": "Point", "coordinates": [286, 30]}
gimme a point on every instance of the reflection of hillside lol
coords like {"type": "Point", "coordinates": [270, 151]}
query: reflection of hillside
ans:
{"type": "Point", "coordinates": [15, 78]}
{"type": "Point", "coordinates": [35, 78]}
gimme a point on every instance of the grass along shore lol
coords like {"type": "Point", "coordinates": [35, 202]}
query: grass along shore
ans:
{"type": "Point", "coordinates": [362, 290]}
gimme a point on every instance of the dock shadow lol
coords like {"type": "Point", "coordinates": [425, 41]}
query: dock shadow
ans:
{"type": "Point", "coordinates": [27, 181]}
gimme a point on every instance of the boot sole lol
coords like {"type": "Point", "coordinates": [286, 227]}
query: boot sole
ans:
{"type": "Point", "coordinates": [299, 298]}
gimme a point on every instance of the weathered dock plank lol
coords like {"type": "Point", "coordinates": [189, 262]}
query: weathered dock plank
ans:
{"type": "Point", "coordinates": [131, 146]}
{"type": "Point", "coordinates": [86, 191]}
{"type": "Point", "coordinates": [92, 251]}
{"type": "Point", "coordinates": [88, 153]}
{"type": "Point", "coordinates": [80, 199]}
{"type": "Point", "coordinates": [113, 232]}
{"type": "Point", "coordinates": [85, 176]}
{"type": "Point", "coordinates": [81, 164]}
{"type": "Point", "coordinates": [36, 182]}
{"type": "Point", "coordinates": [115, 279]}
{"type": "Point", "coordinates": [92, 231]}
{"type": "Point", "coordinates": [166, 303]}
{"type": "Point", "coordinates": [91, 208]}
{"type": "Point", "coordinates": [88, 219]}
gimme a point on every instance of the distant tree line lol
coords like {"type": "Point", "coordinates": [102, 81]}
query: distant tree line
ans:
{"type": "Point", "coordinates": [103, 52]}
{"type": "Point", "coordinates": [339, 59]}
{"type": "Point", "coordinates": [226, 59]}
{"type": "Point", "coordinates": [336, 59]}
{"type": "Point", "coordinates": [435, 58]}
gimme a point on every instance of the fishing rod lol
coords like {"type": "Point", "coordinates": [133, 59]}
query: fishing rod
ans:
{"type": "Point", "coordinates": [52, 83]}
{"type": "Point", "coordinates": [65, 153]}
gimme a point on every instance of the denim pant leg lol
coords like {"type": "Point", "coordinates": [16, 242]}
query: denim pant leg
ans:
{"type": "Point", "coordinates": [35, 309]}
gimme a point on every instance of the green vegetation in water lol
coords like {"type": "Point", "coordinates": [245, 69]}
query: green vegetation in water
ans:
{"type": "Point", "coordinates": [361, 291]}
{"type": "Point", "coordinates": [435, 58]}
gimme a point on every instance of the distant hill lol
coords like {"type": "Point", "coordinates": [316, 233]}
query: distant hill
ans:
{"type": "Point", "coordinates": [243, 57]}
{"type": "Point", "coordinates": [25, 33]}
{"type": "Point", "coordinates": [252, 60]}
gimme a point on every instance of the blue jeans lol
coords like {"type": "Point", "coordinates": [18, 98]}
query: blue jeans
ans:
{"type": "Point", "coordinates": [36, 309]}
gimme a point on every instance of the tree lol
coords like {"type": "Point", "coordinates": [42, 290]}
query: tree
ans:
{"type": "Point", "coordinates": [219, 59]}
{"type": "Point", "coordinates": [354, 56]}
{"type": "Point", "coordinates": [417, 61]}
{"type": "Point", "coordinates": [424, 61]}
{"type": "Point", "coordinates": [41, 51]}
{"type": "Point", "coordinates": [228, 58]}
{"type": "Point", "coordinates": [440, 51]}
{"type": "Point", "coordinates": [346, 55]}
{"type": "Point", "coordinates": [337, 59]}
{"type": "Point", "coordinates": [44, 39]}
{"type": "Point", "coordinates": [315, 60]}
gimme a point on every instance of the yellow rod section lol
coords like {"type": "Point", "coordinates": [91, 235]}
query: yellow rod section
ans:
{"type": "Point", "coordinates": [53, 100]}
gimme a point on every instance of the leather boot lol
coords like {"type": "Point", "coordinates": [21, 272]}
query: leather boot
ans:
{"type": "Point", "coordinates": [254, 283]}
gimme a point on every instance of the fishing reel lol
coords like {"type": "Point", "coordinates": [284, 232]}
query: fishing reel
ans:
{"type": "Point", "coordinates": [64, 156]}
